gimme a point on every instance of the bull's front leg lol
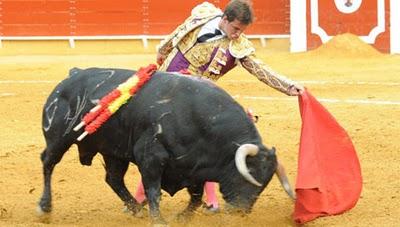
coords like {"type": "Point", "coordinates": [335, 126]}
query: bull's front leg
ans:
{"type": "Point", "coordinates": [151, 164]}
{"type": "Point", "coordinates": [153, 193]}
{"type": "Point", "coordinates": [115, 172]}
{"type": "Point", "coordinates": [50, 157]}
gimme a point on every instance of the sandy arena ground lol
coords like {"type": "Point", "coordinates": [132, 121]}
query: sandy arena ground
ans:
{"type": "Point", "coordinates": [359, 86]}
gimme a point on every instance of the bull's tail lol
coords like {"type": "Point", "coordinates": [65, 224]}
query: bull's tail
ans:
{"type": "Point", "coordinates": [74, 71]}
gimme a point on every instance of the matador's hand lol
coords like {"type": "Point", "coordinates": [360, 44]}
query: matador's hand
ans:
{"type": "Point", "coordinates": [295, 90]}
{"type": "Point", "coordinates": [160, 59]}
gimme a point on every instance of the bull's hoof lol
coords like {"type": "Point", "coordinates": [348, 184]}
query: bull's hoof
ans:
{"type": "Point", "coordinates": [233, 210]}
{"type": "Point", "coordinates": [43, 209]}
{"type": "Point", "coordinates": [44, 205]}
{"type": "Point", "coordinates": [160, 225]}
{"type": "Point", "coordinates": [44, 216]}
{"type": "Point", "coordinates": [159, 222]}
{"type": "Point", "coordinates": [139, 214]}
{"type": "Point", "coordinates": [137, 211]}
{"type": "Point", "coordinates": [210, 209]}
{"type": "Point", "coordinates": [184, 217]}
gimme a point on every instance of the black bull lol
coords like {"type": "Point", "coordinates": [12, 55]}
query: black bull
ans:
{"type": "Point", "coordinates": [180, 131]}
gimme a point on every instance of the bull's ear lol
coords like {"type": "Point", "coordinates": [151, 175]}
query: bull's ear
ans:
{"type": "Point", "coordinates": [74, 71]}
{"type": "Point", "coordinates": [273, 150]}
{"type": "Point", "coordinates": [269, 151]}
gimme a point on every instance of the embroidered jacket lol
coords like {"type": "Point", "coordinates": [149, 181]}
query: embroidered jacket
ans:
{"type": "Point", "coordinates": [215, 58]}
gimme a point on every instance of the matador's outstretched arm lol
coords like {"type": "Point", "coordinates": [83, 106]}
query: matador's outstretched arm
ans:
{"type": "Point", "coordinates": [267, 75]}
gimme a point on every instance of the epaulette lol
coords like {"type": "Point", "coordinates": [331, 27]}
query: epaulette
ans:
{"type": "Point", "coordinates": [205, 10]}
{"type": "Point", "coordinates": [241, 47]}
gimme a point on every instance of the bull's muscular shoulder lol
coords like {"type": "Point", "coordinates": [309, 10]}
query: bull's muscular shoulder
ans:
{"type": "Point", "coordinates": [98, 81]}
{"type": "Point", "coordinates": [193, 80]}
{"type": "Point", "coordinates": [107, 73]}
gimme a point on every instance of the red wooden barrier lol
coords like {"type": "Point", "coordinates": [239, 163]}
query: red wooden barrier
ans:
{"type": "Point", "coordinates": [38, 17]}
{"type": "Point", "coordinates": [121, 17]}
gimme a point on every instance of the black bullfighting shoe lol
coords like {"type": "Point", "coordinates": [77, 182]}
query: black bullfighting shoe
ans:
{"type": "Point", "coordinates": [210, 209]}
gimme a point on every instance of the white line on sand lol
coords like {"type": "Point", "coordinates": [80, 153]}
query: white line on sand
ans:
{"type": "Point", "coordinates": [264, 98]}
{"type": "Point", "coordinates": [28, 81]}
{"type": "Point", "coordinates": [339, 101]}
{"type": "Point", "coordinates": [6, 94]}
{"type": "Point", "coordinates": [322, 82]}
{"type": "Point", "coordinates": [231, 81]}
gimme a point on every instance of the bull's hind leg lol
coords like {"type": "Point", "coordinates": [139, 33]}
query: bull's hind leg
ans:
{"type": "Point", "coordinates": [196, 194]}
{"type": "Point", "coordinates": [115, 172]}
{"type": "Point", "coordinates": [50, 157]}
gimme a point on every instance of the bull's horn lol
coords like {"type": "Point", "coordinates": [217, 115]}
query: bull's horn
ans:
{"type": "Point", "coordinates": [240, 161]}
{"type": "Point", "coordinates": [281, 174]}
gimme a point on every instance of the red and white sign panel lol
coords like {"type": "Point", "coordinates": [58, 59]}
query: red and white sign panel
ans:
{"type": "Point", "coordinates": [316, 21]}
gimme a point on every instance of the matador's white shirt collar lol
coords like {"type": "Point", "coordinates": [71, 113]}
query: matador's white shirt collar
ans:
{"type": "Point", "coordinates": [210, 27]}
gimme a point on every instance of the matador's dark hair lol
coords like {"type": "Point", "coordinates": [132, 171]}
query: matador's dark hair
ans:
{"type": "Point", "coordinates": [241, 10]}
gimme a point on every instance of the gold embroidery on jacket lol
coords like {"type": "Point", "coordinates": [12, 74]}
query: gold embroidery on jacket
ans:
{"type": "Point", "coordinates": [241, 47]}
{"type": "Point", "coordinates": [219, 60]}
{"type": "Point", "coordinates": [199, 54]}
{"type": "Point", "coordinates": [200, 15]}
{"type": "Point", "coordinates": [168, 60]}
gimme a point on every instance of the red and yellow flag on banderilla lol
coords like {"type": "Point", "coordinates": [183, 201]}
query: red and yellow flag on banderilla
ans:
{"type": "Point", "coordinates": [110, 103]}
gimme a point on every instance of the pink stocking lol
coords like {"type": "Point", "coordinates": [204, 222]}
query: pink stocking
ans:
{"type": "Point", "coordinates": [140, 196]}
{"type": "Point", "coordinates": [211, 196]}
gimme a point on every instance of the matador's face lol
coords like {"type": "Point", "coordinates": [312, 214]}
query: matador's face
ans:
{"type": "Point", "coordinates": [232, 29]}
